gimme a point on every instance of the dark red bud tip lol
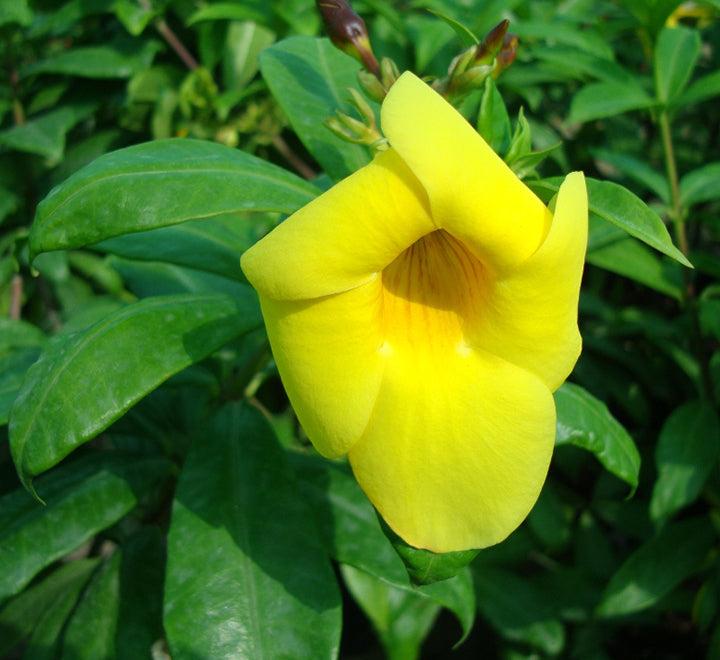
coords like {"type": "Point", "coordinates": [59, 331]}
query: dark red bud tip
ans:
{"type": "Point", "coordinates": [492, 42]}
{"type": "Point", "coordinates": [347, 31]}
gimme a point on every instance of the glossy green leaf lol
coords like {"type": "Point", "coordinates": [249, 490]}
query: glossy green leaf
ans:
{"type": "Point", "coordinates": [134, 349]}
{"type": "Point", "coordinates": [517, 609]}
{"type": "Point", "coordinates": [212, 245]}
{"type": "Point", "coordinates": [686, 453]}
{"type": "Point", "coordinates": [19, 616]}
{"type": "Point", "coordinates": [13, 368]}
{"type": "Point", "coordinates": [247, 576]}
{"type": "Point", "coordinates": [574, 63]}
{"type": "Point", "coordinates": [657, 567]}
{"type": "Point", "coordinates": [584, 421]}
{"type": "Point", "coordinates": [598, 100]}
{"type": "Point", "coordinates": [157, 278]}
{"type": "Point", "coordinates": [44, 135]}
{"type": "Point", "coordinates": [676, 54]}
{"type": "Point", "coordinates": [700, 185]}
{"type": "Point", "coordinates": [424, 566]}
{"type": "Point", "coordinates": [16, 333]}
{"type": "Point", "coordinates": [83, 497]}
{"type": "Point", "coordinates": [133, 16]}
{"type": "Point", "coordinates": [309, 80]}
{"type": "Point", "coordinates": [566, 34]}
{"type": "Point", "coordinates": [622, 208]}
{"type": "Point", "coordinates": [118, 60]}
{"type": "Point", "coordinates": [157, 184]}
{"type": "Point", "coordinates": [350, 530]}
{"type": "Point", "coordinates": [401, 619]}
{"type": "Point", "coordinates": [635, 261]}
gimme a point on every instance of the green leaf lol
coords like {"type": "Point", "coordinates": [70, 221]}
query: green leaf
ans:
{"type": "Point", "coordinates": [676, 54]}
{"type": "Point", "coordinates": [622, 208]}
{"type": "Point", "coordinates": [607, 99]}
{"type": "Point", "coordinates": [120, 613]}
{"type": "Point", "coordinates": [246, 576]}
{"type": "Point", "coordinates": [46, 638]}
{"type": "Point", "coordinates": [219, 11]}
{"type": "Point", "coordinates": [517, 609]}
{"type": "Point", "coordinates": [633, 260]}
{"type": "Point", "coordinates": [466, 36]}
{"type": "Point", "coordinates": [584, 421]}
{"type": "Point", "coordinates": [525, 165]}
{"type": "Point", "coordinates": [686, 453]}
{"type": "Point", "coordinates": [83, 497]}
{"type": "Point", "coordinates": [13, 368]}
{"type": "Point", "coordinates": [309, 80]}
{"type": "Point", "coordinates": [157, 184]}
{"type": "Point", "coordinates": [521, 141]}
{"type": "Point", "coordinates": [701, 90]}
{"type": "Point", "coordinates": [657, 567]}
{"type": "Point", "coordinates": [349, 528]}
{"type": "Point", "coordinates": [133, 16]}
{"type": "Point", "coordinates": [424, 566]}
{"type": "Point", "coordinates": [16, 11]}
{"type": "Point", "coordinates": [19, 616]}
{"type": "Point", "coordinates": [244, 43]}
{"type": "Point", "coordinates": [401, 619]}
{"type": "Point", "coordinates": [565, 33]}
{"type": "Point", "coordinates": [636, 169]}
{"type": "Point", "coordinates": [493, 119]}
{"type": "Point", "coordinates": [44, 135]}
{"type": "Point", "coordinates": [211, 244]}
{"type": "Point", "coordinates": [700, 185]}
{"type": "Point", "coordinates": [134, 349]}
{"type": "Point", "coordinates": [16, 333]}
{"type": "Point", "coordinates": [122, 59]}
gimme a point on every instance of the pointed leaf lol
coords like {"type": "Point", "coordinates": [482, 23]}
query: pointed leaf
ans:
{"type": "Point", "coordinates": [83, 497]}
{"type": "Point", "coordinates": [606, 99]}
{"type": "Point", "coordinates": [676, 54]}
{"type": "Point", "coordinates": [657, 567]}
{"type": "Point", "coordinates": [622, 208]}
{"type": "Point", "coordinates": [686, 453]}
{"type": "Point", "coordinates": [466, 36]}
{"type": "Point", "coordinates": [157, 184]}
{"type": "Point", "coordinates": [700, 185]}
{"type": "Point", "coordinates": [132, 351]}
{"type": "Point", "coordinates": [309, 80]}
{"type": "Point", "coordinates": [493, 119]}
{"type": "Point", "coordinates": [247, 576]}
{"type": "Point", "coordinates": [585, 421]}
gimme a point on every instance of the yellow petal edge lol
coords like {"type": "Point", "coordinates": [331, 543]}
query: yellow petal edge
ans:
{"type": "Point", "coordinates": [421, 312]}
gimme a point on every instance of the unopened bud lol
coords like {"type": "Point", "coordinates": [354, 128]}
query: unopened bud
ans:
{"type": "Point", "coordinates": [348, 32]}
{"type": "Point", "coordinates": [389, 72]}
{"type": "Point", "coordinates": [507, 54]}
{"type": "Point", "coordinates": [371, 86]}
{"type": "Point", "coordinates": [492, 43]}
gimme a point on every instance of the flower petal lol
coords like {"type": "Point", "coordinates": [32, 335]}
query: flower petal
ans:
{"type": "Point", "coordinates": [529, 315]}
{"type": "Point", "coordinates": [327, 354]}
{"type": "Point", "coordinates": [343, 238]}
{"type": "Point", "coordinates": [473, 194]}
{"type": "Point", "coordinates": [457, 448]}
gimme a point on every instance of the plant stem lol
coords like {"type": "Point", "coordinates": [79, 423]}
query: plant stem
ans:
{"type": "Point", "coordinates": [676, 216]}
{"type": "Point", "coordinates": [171, 38]}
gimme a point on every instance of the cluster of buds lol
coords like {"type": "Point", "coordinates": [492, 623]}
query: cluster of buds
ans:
{"type": "Point", "coordinates": [469, 69]}
{"type": "Point", "coordinates": [359, 131]}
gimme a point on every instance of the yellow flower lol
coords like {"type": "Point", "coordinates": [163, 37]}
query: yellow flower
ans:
{"type": "Point", "coordinates": [421, 312]}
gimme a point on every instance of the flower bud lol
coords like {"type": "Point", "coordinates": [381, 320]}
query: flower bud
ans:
{"type": "Point", "coordinates": [348, 32]}
{"type": "Point", "coordinates": [507, 54]}
{"type": "Point", "coordinates": [492, 43]}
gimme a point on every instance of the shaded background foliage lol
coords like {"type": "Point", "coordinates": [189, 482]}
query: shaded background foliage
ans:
{"type": "Point", "coordinates": [184, 509]}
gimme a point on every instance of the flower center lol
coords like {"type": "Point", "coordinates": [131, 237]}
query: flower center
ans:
{"type": "Point", "coordinates": [432, 293]}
